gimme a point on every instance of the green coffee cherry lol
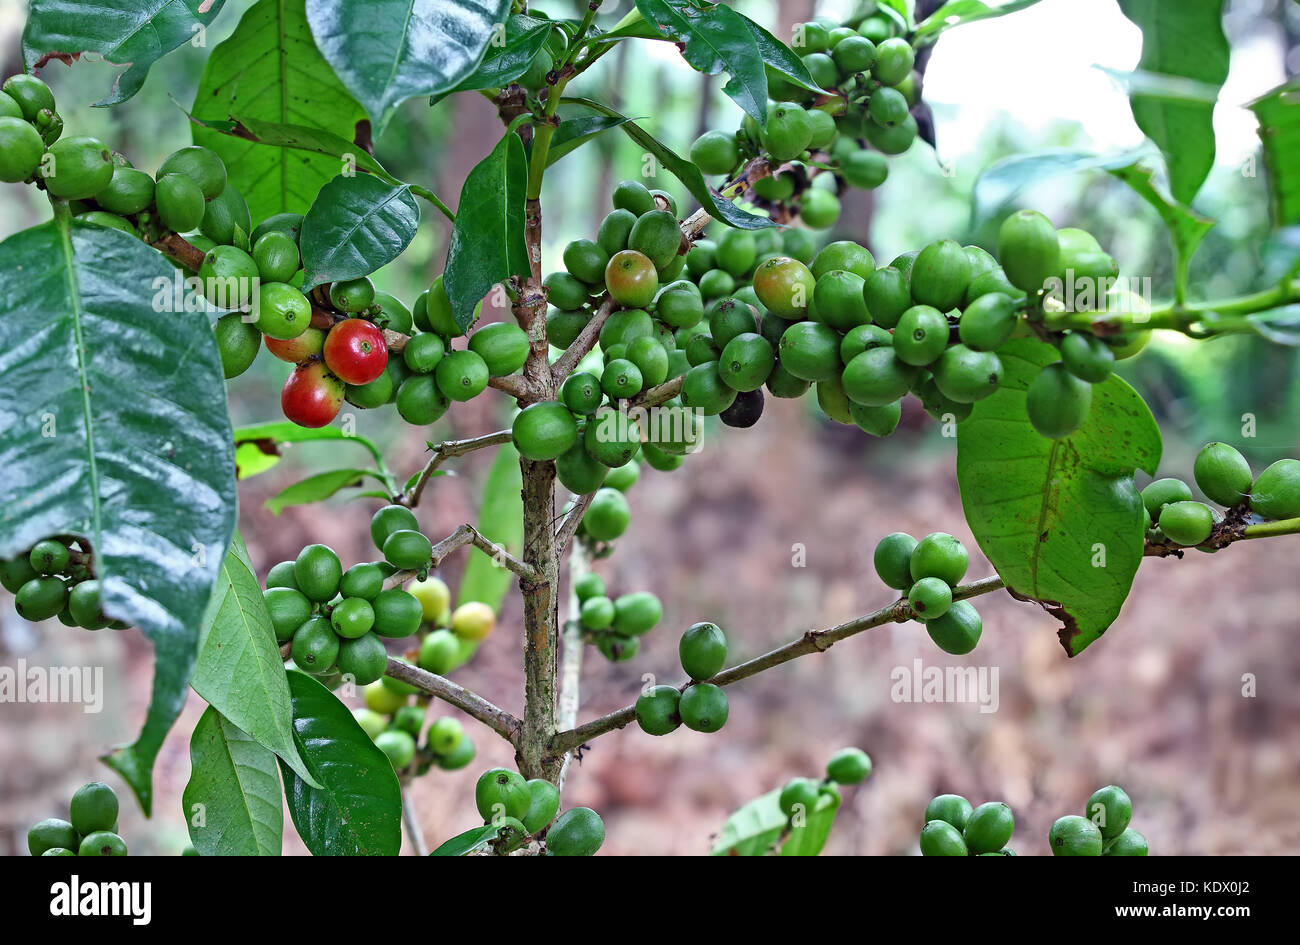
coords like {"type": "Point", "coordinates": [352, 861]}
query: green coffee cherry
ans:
{"type": "Point", "coordinates": [1276, 493]}
{"type": "Point", "coordinates": [102, 843]}
{"type": "Point", "coordinates": [1223, 473]}
{"type": "Point", "coordinates": [657, 710]}
{"type": "Point", "coordinates": [939, 555]}
{"type": "Point", "coordinates": [1161, 492]}
{"type": "Point", "coordinates": [703, 650]}
{"type": "Point", "coordinates": [942, 839]}
{"type": "Point", "coordinates": [892, 559]}
{"type": "Point", "coordinates": [1029, 250]}
{"type": "Point", "coordinates": [703, 707]}
{"type": "Point", "coordinates": [51, 834]}
{"type": "Point", "coordinates": [1186, 522]}
{"type": "Point", "coordinates": [1073, 835]}
{"type": "Point", "coordinates": [94, 807]}
{"type": "Point", "coordinates": [799, 796]}
{"type": "Point", "coordinates": [849, 766]}
{"type": "Point", "coordinates": [950, 808]}
{"type": "Point", "coordinates": [1087, 357]}
{"type": "Point", "coordinates": [398, 745]}
{"type": "Point", "coordinates": [957, 631]}
{"type": "Point", "coordinates": [930, 597]}
{"type": "Point", "coordinates": [502, 792]}
{"type": "Point", "coordinates": [1128, 843]}
{"type": "Point", "coordinates": [1057, 402]}
{"type": "Point", "coordinates": [317, 572]}
{"type": "Point", "coordinates": [989, 827]}
{"type": "Point", "coordinates": [579, 831]}
{"type": "Point", "coordinates": [1111, 809]}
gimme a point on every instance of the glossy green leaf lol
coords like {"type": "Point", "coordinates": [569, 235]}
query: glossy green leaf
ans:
{"type": "Point", "coordinates": [130, 33]}
{"type": "Point", "coordinates": [715, 38]}
{"type": "Point", "coordinates": [388, 51]}
{"type": "Point", "coordinates": [809, 838]}
{"type": "Point", "coordinates": [686, 172]}
{"type": "Point", "coordinates": [356, 225]}
{"type": "Point", "coordinates": [509, 58]}
{"type": "Point", "coordinates": [487, 240]}
{"type": "Point", "coordinates": [752, 829]}
{"type": "Point", "coordinates": [269, 70]}
{"type": "Point", "coordinates": [500, 518]}
{"type": "Point", "coordinates": [1186, 40]}
{"type": "Point", "coordinates": [467, 842]}
{"type": "Point", "coordinates": [240, 671]}
{"type": "Point", "coordinates": [778, 56]}
{"type": "Point", "coordinates": [1061, 520]}
{"type": "Point", "coordinates": [257, 447]}
{"type": "Point", "coordinates": [1278, 114]}
{"type": "Point", "coordinates": [573, 133]}
{"type": "Point", "coordinates": [317, 488]}
{"type": "Point", "coordinates": [232, 801]}
{"type": "Point", "coordinates": [301, 138]}
{"type": "Point", "coordinates": [358, 811]}
{"type": "Point", "coordinates": [1186, 227]}
{"type": "Point", "coordinates": [122, 437]}
{"type": "Point", "coordinates": [956, 12]}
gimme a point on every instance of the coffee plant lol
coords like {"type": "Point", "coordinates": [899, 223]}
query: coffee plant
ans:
{"type": "Point", "coordinates": [118, 505]}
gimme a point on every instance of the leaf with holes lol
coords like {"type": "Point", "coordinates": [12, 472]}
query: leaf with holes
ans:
{"type": "Point", "coordinates": [131, 33]}
{"type": "Point", "coordinates": [487, 240]}
{"type": "Point", "coordinates": [108, 445]}
{"type": "Point", "coordinates": [358, 809]}
{"type": "Point", "coordinates": [232, 801]}
{"type": "Point", "coordinates": [1061, 520]}
{"type": "Point", "coordinates": [240, 671]}
{"type": "Point", "coordinates": [269, 70]}
{"type": "Point", "coordinates": [357, 225]}
{"type": "Point", "coordinates": [388, 51]}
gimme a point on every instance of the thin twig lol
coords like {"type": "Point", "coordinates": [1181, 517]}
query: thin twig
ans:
{"type": "Point", "coordinates": [516, 385]}
{"type": "Point", "coordinates": [462, 536]}
{"type": "Point", "coordinates": [585, 341]}
{"type": "Point", "coordinates": [411, 820]}
{"type": "Point", "coordinates": [471, 703]}
{"type": "Point", "coordinates": [569, 527]}
{"type": "Point", "coordinates": [813, 641]}
{"type": "Point", "coordinates": [574, 648]}
{"type": "Point", "coordinates": [659, 394]}
{"type": "Point", "coordinates": [445, 451]}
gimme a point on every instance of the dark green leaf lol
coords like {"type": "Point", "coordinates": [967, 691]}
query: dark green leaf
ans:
{"type": "Point", "coordinates": [715, 38]}
{"type": "Point", "coordinates": [752, 829]}
{"type": "Point", "coordinates": [956, 12]}
{"type": "Point", "coordinates": [572, 133]}
{"type": "Point", "coordinates": [131, 33]}
{"type": "Point", "coordinates": [232, 801]}
{"type": "Point", "coordinates": [777, 55]}
{"type": "Point", "coordinates": [507, 60]}
{"type": "Point", "coordinates": [467, 842]}
{"type": "Point", "coordinates": [810, 837]}
{"type": "Point", "coordinates": [356, 225]}
{"type": "Point", "coordinates": [686, 172]}
{"type": "Point", "coordinates": [270, 71]}
{"type": "Point", "coordinates": [122, 437]}
{"type": "Point", "coordinates": [387, 51]}
{"type": "Point", "coordinates": [317, 488]}
{"type": "Point", "coordinates": [487, 240]}
{"type": "Point", "coordinates": [1278, 114]}
{"type": "Point", "coordinates": [358, 812]}
{"type": "Point", "coordinates": [1061, 520]}
{"type": "Point", "coordinates": [257, 447]}
{"type": "Point", "coordinates": [298, 137]}
{"type": "Point", "coordinates": [240, 671]}
{"type": "Point", "coordinates": [500, 518]}
{"type": "Point", "coordinates": [1186, 40]}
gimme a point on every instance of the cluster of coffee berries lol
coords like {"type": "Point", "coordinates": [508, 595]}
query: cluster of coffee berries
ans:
{"type": "Point", "coordinates": [701, 705]}
{"type": "Point", "coordinates": [801, 796]}
{"type": "Point", "coordinates": [524, 810]}
{"type": "Point", "coordinates": [395, 724]}
{"type": "Point", "coordinates": [865, 114]}
{"type": "Point", "coordinates": [612, 513]}
{"type": "Point", "coordinates": [1225, 477]}
{"type": "Point", "coordinates": [91, 828]}
{"type": "Point", "coordinates": [927, 571]}
{"type": "Point", "coordinates": [953, 828]}
{"type": "Point", "coordinates": [616, 625]}
{"type": "Point", "coordinates": [1103, 830]}
{"type": "Point", "coordinates": [55, 578]}
{"type": "Point", "coordinates": [334, 620]}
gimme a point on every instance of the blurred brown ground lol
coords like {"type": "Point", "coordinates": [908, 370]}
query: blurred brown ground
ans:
{"type": "Point", "coordinates": [1155, 706]}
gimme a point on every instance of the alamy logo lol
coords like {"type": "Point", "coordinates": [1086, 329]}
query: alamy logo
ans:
{"type": "Point", "coordinates": [75, 898]}
{"type": "Point", "coordinates": [921, 683]}
{"type": "Point", "coordinates": [23, 683]}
